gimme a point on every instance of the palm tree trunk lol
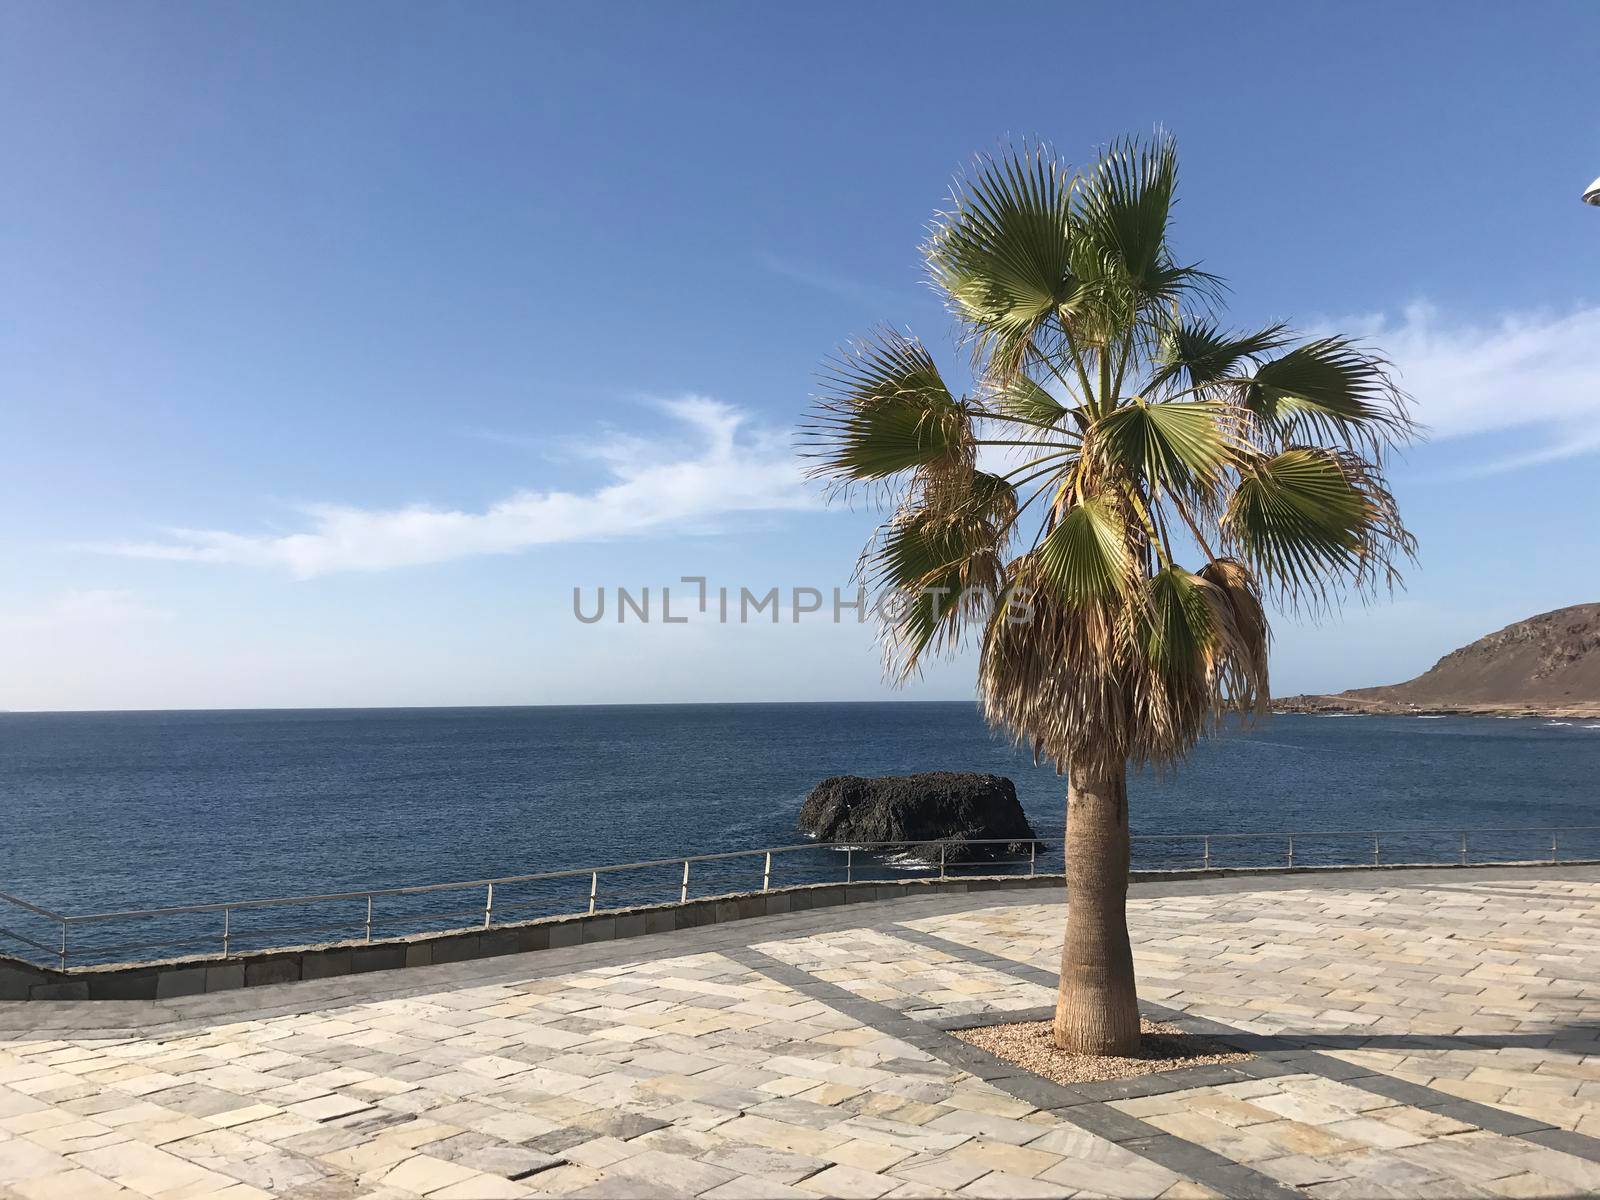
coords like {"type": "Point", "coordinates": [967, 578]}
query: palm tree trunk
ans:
{"type": "Point", "coordinates": [1097, 1009]}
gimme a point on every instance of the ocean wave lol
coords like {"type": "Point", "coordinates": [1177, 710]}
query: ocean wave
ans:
{"type": "Point", "coordinates": [907, 862]}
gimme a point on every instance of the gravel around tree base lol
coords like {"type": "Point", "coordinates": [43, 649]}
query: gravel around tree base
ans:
{"type": "Point", "coordinates": [1031, 1045]}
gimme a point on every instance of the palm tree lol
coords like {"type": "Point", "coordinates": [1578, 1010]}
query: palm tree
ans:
{"type": "Point", "coordinates": [1114, 430]}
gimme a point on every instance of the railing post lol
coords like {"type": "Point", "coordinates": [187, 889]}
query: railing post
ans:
{"type": "Point", "coordinates": [1463, 848]}
{"type": "Point", "coordinates": [941, 862]}
{"type": "Point", "coordinates": [594, 888]}
{"type": "Point", "coordinates": [683, 892]}
{"type": "Point", "coordinates": [766, 873]}
{"type": "Point", "coordinates": [1205, 856]}
{"type": "Point", "coordinates": [1033, 857]}
{"type": "Point", "coordinates": [63, 955]}
{"type": "Point", "coordinates": [1376, 851]}
{"type": "Point", "coordinates": [227, 915]}
{"type": "Point", "coordinates": [849, 864]}
{"type": "Point", "coordinates": [488, 906]}
{"type": "Point", "coordinates": [1291, 849]}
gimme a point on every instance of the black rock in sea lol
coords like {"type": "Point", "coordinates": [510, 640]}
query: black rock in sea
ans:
{"type": "Point", "coordinates": [948, 807]}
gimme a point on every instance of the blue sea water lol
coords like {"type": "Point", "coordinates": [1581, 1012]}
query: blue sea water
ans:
{"type": "Point", "coordinates": [102, 811]}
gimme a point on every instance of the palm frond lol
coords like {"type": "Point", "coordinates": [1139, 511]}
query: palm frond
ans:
{"type": "Point", "coordinates": [1002, 254]}
{"type": "Point", "coordinates": [1086, 555]}
{"type": "Point", "coordinates": [1120, 250]}
{"type": "Point", "coordinates": [1180, 632]}
{"type": "Point", "coordinates": [886, 410]}
{"type": "Point", "coordinates": [1123, 205]}
{"type": "Point", "coordinates": [1307, 520]}
{"type": "Point", "coordinates": [1181, 446]}
{"type": "Point", "coordinates": [1243, 681]}
{"type": "Point", "coordinates": [1050, 672]}
{"type": "Point", "coordinates": [1198, 352]}
{"type": "Point", "coordinates": [1329, 389]}
{"type": "Point", "coordinates": [937, 566]}
{"type": "Point", "coordinates": [1025, 399]}
{"type": "Point", "coordinates": [1203, 656]}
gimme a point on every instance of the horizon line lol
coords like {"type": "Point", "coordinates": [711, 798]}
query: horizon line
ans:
{"type": "Point", "coordinates": [40, 712]}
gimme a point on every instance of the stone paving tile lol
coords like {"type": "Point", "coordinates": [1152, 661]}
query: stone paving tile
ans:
{"type": "Point", "coordinates": [663, 1066]}
{"type": "Point", "coordinates": [1469, 990]}
{"type": "Point", "coordinates": [1340, 1137]}
{"type": "Point", "coordinates": [878, 966]}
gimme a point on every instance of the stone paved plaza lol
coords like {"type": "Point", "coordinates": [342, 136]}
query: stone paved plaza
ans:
{"type": "Point", "coordinates": [1417, 1034]}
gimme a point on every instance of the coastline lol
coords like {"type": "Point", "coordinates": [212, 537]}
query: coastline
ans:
{"type": "Point", "coordinates": [1346, 705]}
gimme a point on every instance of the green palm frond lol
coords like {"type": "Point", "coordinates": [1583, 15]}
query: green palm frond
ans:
{"type": "Point", "coordinates": [1180, 446]}
{"type": "Point", "coordinates": [953, 580]}
{"type": "Point", "coordinates": [938, 565]}
{"type": "Point", "coordinates": [1120, 249]}
{"type": "Point", "coordinates": [1180, 631]}
{"type": "Point", "coordinates": [1086, 556]}
{"type": "Point", "coordinates": [1123, 205]}
{"type": "Point", "coordinates": [1198, 352]}
{"type": "Point", "coordinates": [1328, 388]}
{"type": "Point", "coordinates": [1002, 254]}
{"type": "Point", "coordinates": [924, 543]}
{"type": "Point", "coordinates": [1306, 519]}
{"type": "Point", "coordinates": [1026, 400]}
{"type": "Point", "coordinates": [990, 498]}
{"type": "Point", "coordinates": [886, 410]}
{"type": "Point", "coordinates": [1203, 655]}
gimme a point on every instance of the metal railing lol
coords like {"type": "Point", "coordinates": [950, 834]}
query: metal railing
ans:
{"type": "Point", "coordinates": [1181, 851]}
{"type": "Point", "coordinates": [1462, 854]}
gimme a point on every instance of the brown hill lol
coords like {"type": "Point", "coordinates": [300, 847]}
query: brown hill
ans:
{"type": "Point", "coordinates": [1546, 664]}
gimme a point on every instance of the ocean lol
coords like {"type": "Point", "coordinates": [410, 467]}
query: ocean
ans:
{"type": "Point", "coordinates": [105, 811]}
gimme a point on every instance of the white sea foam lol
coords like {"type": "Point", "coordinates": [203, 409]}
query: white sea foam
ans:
{"type": "Point", "coordinates": [907, 862]}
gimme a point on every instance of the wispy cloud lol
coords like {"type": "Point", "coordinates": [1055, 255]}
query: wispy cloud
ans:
{"type": "Point", "coordinates": [812, 275]}
{"type": "Point", "coordinates": [1573, 446]}
{"type": "Point", "coordinates": [1532, 374]}
{"type": "Point", "coordinates": [727, 467]}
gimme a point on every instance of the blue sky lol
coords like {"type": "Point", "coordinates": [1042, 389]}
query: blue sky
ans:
{"type": "Point", "coordinates": [338, 344]}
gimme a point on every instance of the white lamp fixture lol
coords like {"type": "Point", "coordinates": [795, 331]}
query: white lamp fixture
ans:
{"type": "Point", "coordinates": [1591, 194]}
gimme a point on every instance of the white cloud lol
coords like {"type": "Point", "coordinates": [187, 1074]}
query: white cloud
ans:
{"type": "Point", "coordinates": [1530, 373]}
{"type": "Point", "coordinates": [90, 608]}
{"type": "Point", "coordinates": [1572, 446]}
{"type": "Point", "coordinates": [733, 468]}
{"type": "Point", "coordinates": [1535, 376]}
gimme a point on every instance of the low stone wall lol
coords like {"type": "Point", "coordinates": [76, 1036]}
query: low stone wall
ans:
{"type": "Point", "coordinates": [171, 978]}
{"type": "Point", "coordinates": [193, 976]}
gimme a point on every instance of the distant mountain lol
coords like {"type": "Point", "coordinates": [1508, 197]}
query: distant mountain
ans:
{"type": "Point", "coordinates": [1549, 664]}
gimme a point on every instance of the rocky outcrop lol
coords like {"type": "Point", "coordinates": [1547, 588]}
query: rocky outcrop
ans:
{"type": "Point", "coordinates": [954, 810]}
{"type": "Point", "coordinates": [1546, 665]}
